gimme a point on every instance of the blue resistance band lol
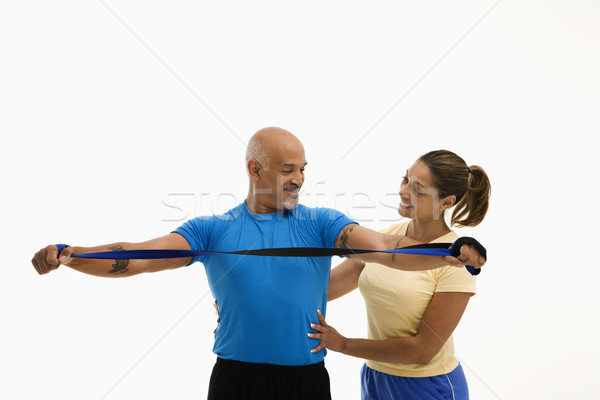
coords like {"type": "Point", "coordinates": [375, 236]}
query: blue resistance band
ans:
{"type": "Point", "coordinates": [429, 249]}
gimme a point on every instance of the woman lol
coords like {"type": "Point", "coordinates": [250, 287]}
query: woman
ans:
{"type": "Point", "coordinates": [411, 315]}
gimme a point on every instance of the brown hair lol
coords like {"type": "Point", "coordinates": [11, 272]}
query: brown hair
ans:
{"type": "Point", "coordinates": [471, 186]}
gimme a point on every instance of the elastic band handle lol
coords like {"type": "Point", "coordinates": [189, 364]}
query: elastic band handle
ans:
{"type": "Point", "coordinates": [469, 240]}
{"type": "Point", "coordinates": [60, 248]}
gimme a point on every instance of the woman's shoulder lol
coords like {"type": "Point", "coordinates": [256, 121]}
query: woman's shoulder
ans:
{"type": "Point", "coordinates": [449, 237]}
{"type": "Point", "coordinates": [396, 229]}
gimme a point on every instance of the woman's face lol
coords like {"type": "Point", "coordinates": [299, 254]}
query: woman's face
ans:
{"type": "Point", "coordinates": [418, 198]}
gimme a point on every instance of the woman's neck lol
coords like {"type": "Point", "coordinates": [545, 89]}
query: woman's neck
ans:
{"type": "Point", "coordinates": [426, 231]}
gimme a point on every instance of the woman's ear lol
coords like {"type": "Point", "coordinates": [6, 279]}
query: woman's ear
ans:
{"type": "Point", "coordinates": [447, 202]}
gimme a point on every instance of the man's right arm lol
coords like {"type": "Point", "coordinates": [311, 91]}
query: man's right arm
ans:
{"type": "Point", "coordinates": [48, 259]}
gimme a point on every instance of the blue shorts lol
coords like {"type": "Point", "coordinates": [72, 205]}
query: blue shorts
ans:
{"type": "Point", "coordinates": [376, 385]}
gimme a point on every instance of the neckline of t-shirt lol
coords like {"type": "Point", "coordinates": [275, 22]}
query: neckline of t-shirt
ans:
{"type": "Point", "coordinates": [436, 240]}
{"type": "Point", "coordinates": [265, 216]}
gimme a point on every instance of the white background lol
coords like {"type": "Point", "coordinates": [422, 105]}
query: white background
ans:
{"type": "Point", "coordinates": [120, 120]}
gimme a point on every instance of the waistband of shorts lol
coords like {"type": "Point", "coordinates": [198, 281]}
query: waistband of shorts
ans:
{"type": "Point", "coordinates": [269, 367]}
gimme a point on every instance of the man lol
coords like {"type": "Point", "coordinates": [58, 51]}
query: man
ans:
{"type": "Point", "coordinates": [266, 303]}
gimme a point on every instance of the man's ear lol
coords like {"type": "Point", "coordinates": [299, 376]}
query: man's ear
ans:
{"type": "Point", "coordinates": [254, 169]}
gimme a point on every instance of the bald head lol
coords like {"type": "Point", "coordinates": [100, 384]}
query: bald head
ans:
{"type": "Point", "coordinates": [270, 142]}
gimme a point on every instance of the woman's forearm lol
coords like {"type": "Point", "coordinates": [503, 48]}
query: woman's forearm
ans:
{"type": "Point", "coordinates": [406, 350]}
{"type": "Point", "coordinates": [344, 278]}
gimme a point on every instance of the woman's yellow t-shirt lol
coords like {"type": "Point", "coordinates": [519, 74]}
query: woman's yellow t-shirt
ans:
{"type": "Point", "coordinates": [396, 301]}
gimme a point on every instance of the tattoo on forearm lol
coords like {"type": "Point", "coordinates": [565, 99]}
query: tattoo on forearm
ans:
{"type": "Point", "coordinates": [397, 246]}
{"type": "Point", "coordinates": [120, 266]}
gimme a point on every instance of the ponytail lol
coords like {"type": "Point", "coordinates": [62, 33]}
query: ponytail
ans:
{"type": "Point", "coordinates": [473, 205]}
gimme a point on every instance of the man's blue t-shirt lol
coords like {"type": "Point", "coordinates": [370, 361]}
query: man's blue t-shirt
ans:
{"type": "Point", "coordinates": [266, 304]}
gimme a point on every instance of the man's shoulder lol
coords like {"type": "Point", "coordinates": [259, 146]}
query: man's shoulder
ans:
{"type": "Point", "coordinates": [302, 209]}
{"type": "Point", "coordinates": [233, 214]}
{"type": "Point", "coordinates": [319, 213]}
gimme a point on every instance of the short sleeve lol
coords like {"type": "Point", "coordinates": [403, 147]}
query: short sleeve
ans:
{"type": "Point", "coordinates": [332, 222]}
{"type": "Point", "coordinates": [197, 232]}
{"type": "Point", "coordinates": [453, 279]}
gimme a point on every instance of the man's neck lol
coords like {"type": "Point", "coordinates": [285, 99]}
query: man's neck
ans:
{"type": "Point", "coordinates": [257, 207]}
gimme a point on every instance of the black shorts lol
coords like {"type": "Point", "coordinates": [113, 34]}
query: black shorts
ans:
{"type": "Point", "coordinates": [236, 380]}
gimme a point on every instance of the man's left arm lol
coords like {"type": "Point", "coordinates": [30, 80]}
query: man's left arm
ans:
{"type": "Point", "coordinates": [358, 237]}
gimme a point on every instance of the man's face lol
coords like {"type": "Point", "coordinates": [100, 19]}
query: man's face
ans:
{"type": "Point", "coordinates": [280, 185]}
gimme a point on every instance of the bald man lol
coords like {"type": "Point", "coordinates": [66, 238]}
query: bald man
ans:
{"type": "Point", "coordinates": [266, 303]}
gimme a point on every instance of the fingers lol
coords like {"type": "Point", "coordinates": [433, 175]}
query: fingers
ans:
{"type": "Point", "coordinates": [51, 255]}
{"type": "Point", "coordinates": [322, 331]}
{"type": "Point", "coordinates": [329, 337]}
{"type": "Point", "coordinates": [65, 255]}
{"type": "Point", "coordinates": [453, 261]}
{"type": "Point", "coordinates": [318, 348]}
{"type": "Point", "coordinates": [318, 336]}
{"type": "Point", "coordinates": [467, 252]}
{"type": "Point", "coordinates": [47, 259]}
{"type": "Point", "coordinates": [319, 328]}
{"type": "Point", "coordinates": [217, 313]}
{"type": "Point", "coordinates": [35, 264]}
{"type": "Point", "coordinates": [321, 318]}
{"type": "Point", "coordinates": [471, 256]}
{"type": "Point", "coordinates": [480, 258]}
